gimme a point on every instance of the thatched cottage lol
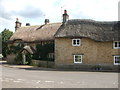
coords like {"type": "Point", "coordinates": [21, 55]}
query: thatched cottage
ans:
{"type": "Point", "coordinates": [78, 42]}
{"type": "Point", "coordinates": [30, 36]}
{"type": "Point", "coordinates": [82, 42]}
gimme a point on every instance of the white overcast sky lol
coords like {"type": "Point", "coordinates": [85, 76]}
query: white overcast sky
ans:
{"type": "Point", "coordinates": [35, 11]}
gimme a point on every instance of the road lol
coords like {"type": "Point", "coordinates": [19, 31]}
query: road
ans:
{"type": "Point", "coordinates": [24, 78]}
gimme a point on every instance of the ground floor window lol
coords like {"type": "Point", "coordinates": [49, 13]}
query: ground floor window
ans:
{"type": "Point", "coordinates": [77, 58]}
{"type": "Point", "coordinates": [51, 55]}
{"type": "Point", "coordinates": [117, 60]}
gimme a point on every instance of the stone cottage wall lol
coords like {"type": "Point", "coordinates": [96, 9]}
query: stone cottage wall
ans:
{"type": "Point", "coordinates": [94, 52]}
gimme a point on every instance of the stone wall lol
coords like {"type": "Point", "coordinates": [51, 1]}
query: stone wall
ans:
{"type": "Point", "coordinates": [10, 58]}
{"type": "Point", "coordinates": [42, 63]}
{"type": "Point", "coordinates": [94, 52]}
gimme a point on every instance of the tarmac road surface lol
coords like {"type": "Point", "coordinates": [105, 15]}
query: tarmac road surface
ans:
{"type": "Point", "coordinates": [28, 78]}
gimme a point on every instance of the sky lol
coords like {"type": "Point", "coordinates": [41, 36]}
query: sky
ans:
{"type": "Point", "coordinates": [36, 11]}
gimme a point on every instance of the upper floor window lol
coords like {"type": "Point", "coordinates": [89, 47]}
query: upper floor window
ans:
{"type": "Point", "coordinates": [116, 44]}
{"type": "Point", "coordinates": [76, 42]}
{"type": "Point", "coordinates": [117, 60]}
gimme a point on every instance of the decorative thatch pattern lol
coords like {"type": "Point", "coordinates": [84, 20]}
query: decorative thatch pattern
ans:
{"type": "Point", "coordinates": [99, 31]}
{"type": "Point", "coordinates": [36, 33]}
{"type": "Point", "coordinates": [29, 49]}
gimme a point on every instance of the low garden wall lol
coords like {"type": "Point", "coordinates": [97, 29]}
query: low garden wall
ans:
{"type": "Point", "coordinates": [43, 63]}
{"type": "Point", "coordinates": [90, 67]}
{"type": "Point", "coordinates": [10, 58]}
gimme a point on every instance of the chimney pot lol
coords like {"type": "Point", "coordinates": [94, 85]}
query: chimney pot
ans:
{"type": "Point", "coordinates": [27, 24]}
{"type": "Point", "coordinates": [65, 11]}
{"type": "Point", "coordinates": [47, 21]}
{"type": "Point", "coordinates": [17, 24]}
{"type": "Point", "coordinates": [65, 16]}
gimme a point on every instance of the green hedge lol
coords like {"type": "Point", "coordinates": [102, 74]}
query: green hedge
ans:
{"type": "Point", "coordinates": [15, 49]}
{"type": "Point", "coordinates": [42, 51]}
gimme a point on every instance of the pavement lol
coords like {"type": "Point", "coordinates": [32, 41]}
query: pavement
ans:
{"type": "Point", "coordinates": [4, 63]}
{"type": "Point", "coordinates": [27, 67]}
{"type": "Point", "coordinates": [18, 66]}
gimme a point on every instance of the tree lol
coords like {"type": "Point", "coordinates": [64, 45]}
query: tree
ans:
{"type": "Point", "coordinates": [6, 34]}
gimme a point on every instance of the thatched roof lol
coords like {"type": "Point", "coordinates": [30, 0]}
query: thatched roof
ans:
{"type": "Point", "coordinates": [36, 33]}
{"type": "Point", "coordinates": [96, 30]}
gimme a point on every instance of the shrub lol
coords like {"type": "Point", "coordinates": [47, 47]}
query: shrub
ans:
{"type": "Point", "coordinates": [28, 58]}
{"type": "Point", "coordinates": [42, 51]}
{"type": "Point", "coordinates": [15, 49]}
{"type": "Point", "coordinates": [18, 59]}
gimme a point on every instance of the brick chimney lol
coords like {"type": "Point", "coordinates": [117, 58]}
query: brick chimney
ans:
{"type": "Point", "coordinates": [17, 24]}
{"type": "Point", "coordinates": [65, 16]}
{"type": "Point", "coordinates": [47, 21]}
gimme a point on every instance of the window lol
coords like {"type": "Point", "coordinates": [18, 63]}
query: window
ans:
{"type": "Point", "coordinates": [77, 58]}
{"type": "Point", "coordinates": [117, 60]}
{"type": "Point", "coordinates": [116, 44]}
{"type": "Point", "coordinates": [75, 42]}
{"type": "Point", "coordinates": [51, 55]}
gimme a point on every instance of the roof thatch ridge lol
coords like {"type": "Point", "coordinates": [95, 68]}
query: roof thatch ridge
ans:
{"type": "Point", "coordinates": [30, 26]}
{"type": "Point", "coordinates": [92, 21]}
{"type": "Point", "coordinates": [40, 25]}
{"type": "Point", "coordinates": [96, 30]}
{"type": "Point", "coordinates": [36, 33]}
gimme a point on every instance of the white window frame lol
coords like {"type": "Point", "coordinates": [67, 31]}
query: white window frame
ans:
{"type": "Point", "coordinates": [75, 61]}
{"type": "Point", "coordinates": [117, 45]}
{"type": "Point", "coordinates": [51, 55]}
{"type": "Point", "coordinates": [114, 60]}
{"type": "Point", "coordinates": [76, 42]}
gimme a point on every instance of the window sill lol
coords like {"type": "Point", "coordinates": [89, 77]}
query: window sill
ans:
{"type": "Point", "coordinates": [75, 45]}
{"type": "Point", "coordinates": [116, 48]}
{"type": "Point", "coordinates": [116, 64]}
{"type": "Point", "coordinates": [77, 62]}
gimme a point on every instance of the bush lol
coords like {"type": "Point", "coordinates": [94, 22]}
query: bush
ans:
{"type": "Point", "coordinates": [15, 49]}
{"type": "Point", "coordinates": [18, 59]}
{"type": "Point", "coordinates": [28, 58]}
{"type": "Point", "coordinates": [42, 52]}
